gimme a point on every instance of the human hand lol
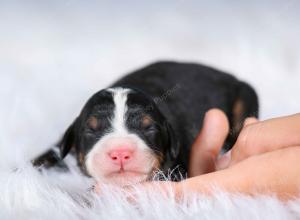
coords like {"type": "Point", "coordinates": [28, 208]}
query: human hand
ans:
{"type": "Point", "coordinates": [258, 137]}
{"type": "Point", "coordinates": [204, 157]}
{"type": "Point", "coordinates": [258, 145]}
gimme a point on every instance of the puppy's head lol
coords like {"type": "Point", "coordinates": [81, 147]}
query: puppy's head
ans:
{"type": "Point", "coordinates": [120, 137]}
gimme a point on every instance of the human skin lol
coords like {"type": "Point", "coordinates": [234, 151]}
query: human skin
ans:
{"type": "Point", "coordinates": [265, 136]}
{"type": "Point", "coordinates": [275, 172]}
{"type": "Point", "coordinates": [264, 159]}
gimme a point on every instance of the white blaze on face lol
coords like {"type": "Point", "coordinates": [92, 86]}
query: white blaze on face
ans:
{"type": "Point", "coordinates": [98, 162]}
{"type": "Point", "coordinates": [118, 123]}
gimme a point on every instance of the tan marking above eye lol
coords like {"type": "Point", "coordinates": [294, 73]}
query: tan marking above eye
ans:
{"type": "Point", "coordinates": [93, 122]}
{"type": "Point", "coordinates": [146, 121]}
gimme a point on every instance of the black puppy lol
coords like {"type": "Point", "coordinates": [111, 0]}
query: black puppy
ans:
{"type": "Point", "coordinates": [149, 119]}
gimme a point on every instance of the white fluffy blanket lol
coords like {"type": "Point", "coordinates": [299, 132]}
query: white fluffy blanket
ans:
{"type": "Point", "coordinates": [25, 194]}
{"type": "Point", "coordinates": [55, 54]}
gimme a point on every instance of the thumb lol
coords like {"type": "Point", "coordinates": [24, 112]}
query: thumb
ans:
{"type": "Point", "coordinates": [208, 143]}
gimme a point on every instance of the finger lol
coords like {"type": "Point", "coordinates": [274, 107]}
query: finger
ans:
{"type": "Point", "coordinates": [250, 142]}
{"type": "Point", "coordinates": [249, 121]}
{"type": "Point", "coordinates": [225, 160]}
{"type": "Point", "coordinates": [208, 143]}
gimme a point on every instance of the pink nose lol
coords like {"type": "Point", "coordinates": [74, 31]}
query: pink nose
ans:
{"type": "Point", "coordinates": [120, 155]}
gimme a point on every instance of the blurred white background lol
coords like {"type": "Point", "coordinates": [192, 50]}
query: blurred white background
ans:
{"type": "Point", "coordinates": [55, 54]}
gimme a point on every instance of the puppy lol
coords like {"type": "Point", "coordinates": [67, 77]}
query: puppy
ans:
{"type": "Point", "coordinates": [148, 120]}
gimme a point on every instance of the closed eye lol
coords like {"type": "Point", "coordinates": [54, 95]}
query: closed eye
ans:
{"type": "Point", "coordinates": [90, 132]}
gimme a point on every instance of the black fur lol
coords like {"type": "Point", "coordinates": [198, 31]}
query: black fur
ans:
{"type": "Point", "coordinates": [177, 96]}
{"type": "Point", "coordinates": [184, 92]}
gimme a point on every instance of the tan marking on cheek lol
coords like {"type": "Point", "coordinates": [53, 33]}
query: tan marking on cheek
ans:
{"type": "Point", "coordinates": [81, 163]}
{"type": "Point", "coordinates": [81, 158]}
{"type": "Point", "coordinates": [159, 158]}
{"type": "Point", "coordinates": [156, 166]}
{"type": "Point", "coordinates": [157, 161]}
{"type": "Point", "coordinates": [93, 122]}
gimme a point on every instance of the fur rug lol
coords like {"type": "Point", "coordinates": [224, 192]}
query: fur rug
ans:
{"type": "Point", "coordinates": [26, 194]}
{"type": "Point", "coordinates": [56, 54]}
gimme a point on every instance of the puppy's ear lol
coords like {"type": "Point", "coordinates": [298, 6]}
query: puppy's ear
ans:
{"type": "Point", "coordinates": [173, 143]}
{"type": "Point", "coordinates": [68, 140]}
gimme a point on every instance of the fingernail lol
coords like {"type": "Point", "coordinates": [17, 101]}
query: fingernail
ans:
{"type": "Point", "coordinates": [223, 161]}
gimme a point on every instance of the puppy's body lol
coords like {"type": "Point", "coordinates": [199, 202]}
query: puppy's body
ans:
{"type": "Point", "coordinates": [171, 99]}
{"type": "Point", "coordinates": [184, 93]}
